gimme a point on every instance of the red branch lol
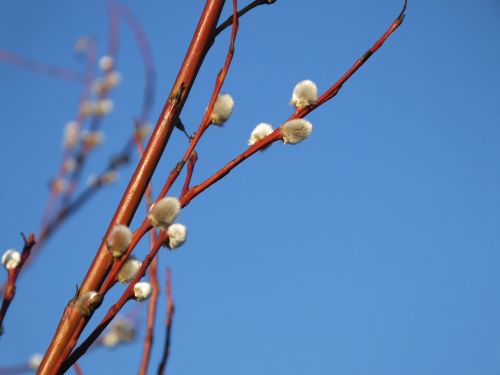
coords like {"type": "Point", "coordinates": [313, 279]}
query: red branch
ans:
{"type": "Point", "coordinates": [72, 322]}
{"type": "Point", "coordinates": [115, 309]}
{"type": "Point", "coordinates": [168, 324]}
{"type": "Point", "coordinates": [77, 369]}
{"type": "Point", "coordinates": [10, 289]}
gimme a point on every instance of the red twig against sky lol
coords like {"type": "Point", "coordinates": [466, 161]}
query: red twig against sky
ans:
{"type": "Point", "coordinates": [38, 67]}
{"type": "Point", "coordinates": [72, 321]}
{"type": "Point", "coordinates": [77, 369]}
{"type": "Point", "coordinates": [99, 276]}
{"type": "Point", "coordinates": [168, 324]}
{"type": "Point", "coordinates": [13, 267]}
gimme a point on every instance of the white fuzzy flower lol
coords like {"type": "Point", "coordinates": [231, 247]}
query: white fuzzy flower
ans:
{"type": "Point", "coordinates": [11, 259]}
{"type": "Point", "coordinates": [121, 330]}
{"type": "Point", "coordinates": [177, 234]}
{"type": "Point", "coordinates": [109, 177]}
{"type": "Point", "coordinates": [304, 94]}
{"type": "Point", "coordinates": [143, 131]}
{"type": "Point", "coordinates": [164, 212]}
{"type": "Point", "coordinates": [88, 302]}
{"type": "Point", "coordinates": [81, 44]}
{"type": "Point", "coordinates": [261, 131]}
{"type": "Point", "coordinates": [222, 109]}
{"type": "Point", "coordinates": [91, 139]}
{"type": "Point", "coordinates": [69, 165]}
{"type": "Point", "coordinates": [106, 63]}
{"type": "Point", "coordinates": [118, 240]}
{"type": "Point", "coordinates": [71, 135]}
{"type": "Point", "coordinates": [35, 361]}
{"type": "Point", "coordinates": [142, 291]}
{"type": "Point", "coordinates": [102, 107]}
{"type": "Point", "coordinates": [129, 270]}
{"type": "Point", "coordinates": [112, 79]}
{"type": "Point", "coordinates": [295, 131]}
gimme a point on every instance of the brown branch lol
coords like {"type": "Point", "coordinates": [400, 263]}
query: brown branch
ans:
{"type": "Point", "coordinates": [115, 309]}
{"type": "Point", "coordinates": [193, 158]}
{"type": "Point", "coordinates": [168, 324]}
{"type": "Point", "coordinates": [72, 322]}
{"type": "Point", "coordinates": [13, 273]}
{"type": "Point", "coordinates": [299, 113]}
{"type": "Point", "coordinates": [77, 369]}
{"type": "Point", "coordinates": [229, 20]}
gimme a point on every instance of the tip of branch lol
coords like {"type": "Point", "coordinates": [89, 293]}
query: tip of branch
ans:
{"type": "Point", "coordinates": [402, 13]}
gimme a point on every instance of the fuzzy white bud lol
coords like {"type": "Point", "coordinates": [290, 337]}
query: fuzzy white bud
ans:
{"type": "Point", "coordinates": [142, 291]}
{"type": "Point", "coordinates": [58, 185]}
{"type": "Point", "coordinates": [143, 131]}
{"type": "Point", "coordinates": [109, 177]}
{"type": "Point", "coordinates": [112, 79]}
{"type": "Point", "coordinates": [102, 107]}
{"type": "Point", "coordinates": [106, 63]}
{"type": "Point", "coordinates": [91, 139]}
{"type": "Point", "coordinates": [69, 165]}
{"type": "Point", "coordinates": [295, 131]}
{"type": "Point", "coordinates": [222, 110]}
{"type": "Point", "coordinates": [35, 361]}
{"type": "Point", "coordinates": [87, 302]}
{"type": "Point", "coordinates": [11, 259]}
{"type": "Point", "coordinates": [177, 234]}
{"type": "Point", "coordinates": [121, 331]}
{"type": "Point", "coordinates": [261, 131]}
{"type": "Point", "coordinates": [164, 212]}
{"type": "Point", "coordinates": [81, 44]}
{"type": "Point", "coordinates": [118, 240]}
{"type": "Point", "coordinates": [304, 94]}
{"type": "Point", "coordinates": [71, 135]}
{"type": "Point", "coordinates": [129, 270]}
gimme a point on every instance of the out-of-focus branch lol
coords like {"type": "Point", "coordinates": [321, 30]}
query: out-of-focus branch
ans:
{"type": "Point", "coordinates": [38, 67]}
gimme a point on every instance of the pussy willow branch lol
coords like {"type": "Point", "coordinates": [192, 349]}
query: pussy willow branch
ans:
{"type": "Point", "coordinates": [72, 322]}
{"type": "Point", "coordinates": [13, 273]}
{"type": "Point", "coordinates": [77, 369]}
{"type": "Point", "coordinates": [38, 67]}
{"type": "Point", "coordinates": [168, 324]}
{"type": "Point", "coordinates": [276, 134]}
{"type": "Point", "coordinates": [229, 20]}
{"type": "Point", "coordinates": [127, 295]}
{"type": "Point", "coordinates": [153, 277]}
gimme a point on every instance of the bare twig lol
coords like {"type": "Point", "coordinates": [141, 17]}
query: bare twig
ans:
{"type": "Point", "coordinates": [168, 324]}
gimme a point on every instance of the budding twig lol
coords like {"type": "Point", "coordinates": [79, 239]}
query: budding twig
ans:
{"type": "Point", "coordinates": [13, 273]}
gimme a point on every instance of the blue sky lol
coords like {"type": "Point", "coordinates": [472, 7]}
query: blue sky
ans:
{"type": "Point", "coordinates": [371, 248]}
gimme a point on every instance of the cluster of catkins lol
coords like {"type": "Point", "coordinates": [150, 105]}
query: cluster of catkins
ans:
{"type": "Point", "coordinates": [294, 131]}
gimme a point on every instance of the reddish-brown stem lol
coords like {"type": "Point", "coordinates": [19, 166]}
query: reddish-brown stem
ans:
{"type": "Point", "coordinates": [229, 20]}
{"type": "Point", "coordinates": [38, 67]}
{"type": "Point", "coordinates": [258, 146]}
{"type": "Point", "coordinates": [168, 324]}
{"type": "Point", "coordinates": [13, 273]}
{"type": "Point", "coordinates": [77, 369]}
{"type": "Point", "coordinates": [189, 172]}
{"type": "Point", "coordinates": [206, 121]}
{"type": "Point", "coordinates": [118, 263]}
{"type": "Point", "coordinates": [72, 322]}
{"type": "Point", "coordinates": [276, 135]}
{"type": "Point", "coordinates": [152, 306]}
{"type": "Point", "coordinates": [332, 91]}
{"type": "Point", "coordinates": [115, 309]}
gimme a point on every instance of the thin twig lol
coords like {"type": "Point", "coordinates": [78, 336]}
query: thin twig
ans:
{"type": "Point", "coordinates": [13, 273]}
{"type": "Point", "coordinates": [168, 324]}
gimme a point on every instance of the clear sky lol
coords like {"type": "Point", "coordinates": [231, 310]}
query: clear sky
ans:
{"type": "Point", "coordinates": [371, 248]}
